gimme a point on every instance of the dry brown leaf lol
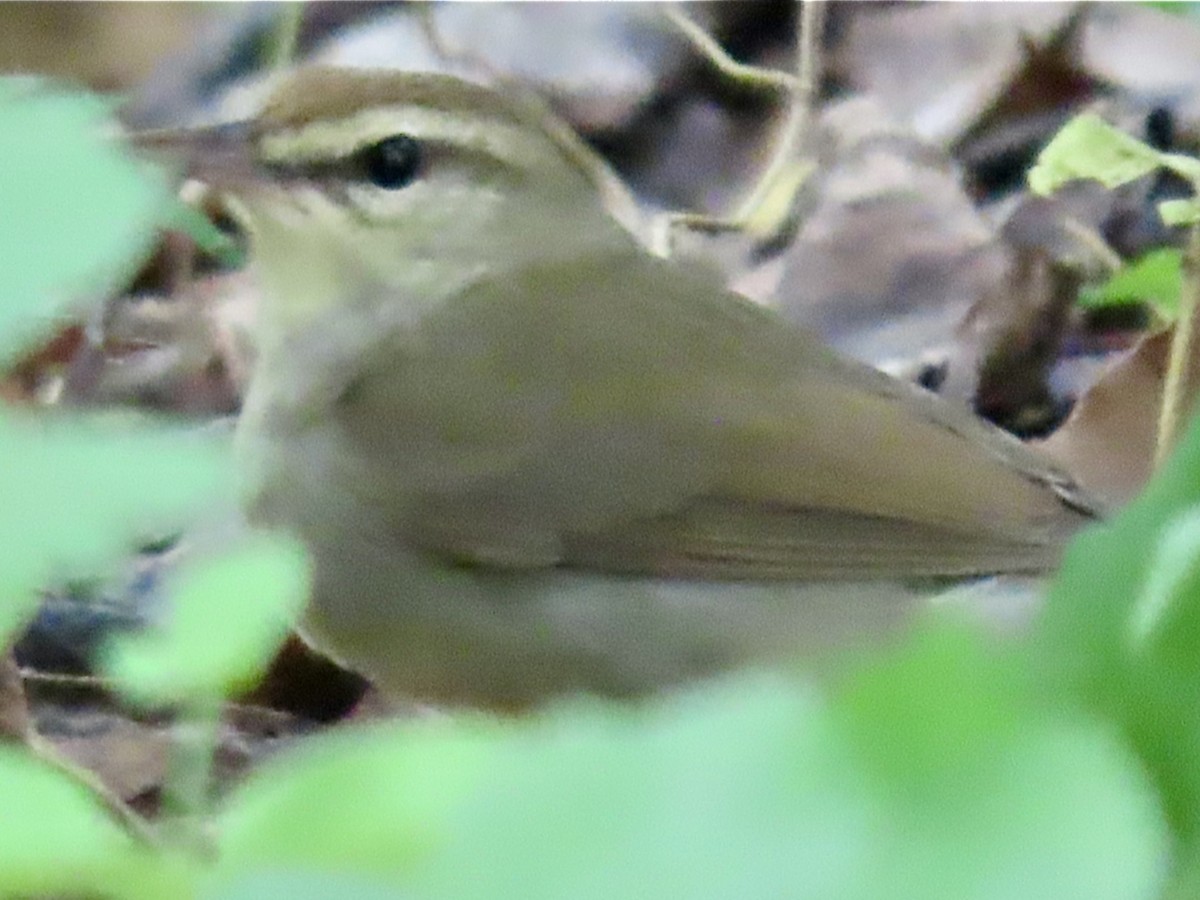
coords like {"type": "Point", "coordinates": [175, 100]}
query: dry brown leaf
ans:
{"type": "Point", "coordinates": [14, 711]}
{"type": "Point", "coordinates": [894, 251]}
{"type": "Point", "coordinates": [104, 45]}
{"type": "Point", "coordinates": [1107, 443]}
{"type": "Point", "coordinates": [1008, 342]}
{"type": "Point", "coordinates": [129, 758]}
{"type": "Point", "coordinates": [940, 65]}
{"type": "Point", "coordinates": [1145, 52]}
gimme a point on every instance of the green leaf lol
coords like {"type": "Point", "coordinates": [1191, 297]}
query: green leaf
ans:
{"type": "Point", "coordinates": [1179, 212]}
{"type": "Point", "coordinates": [1088, 147]}
{"type": "Point", "coordinates": [1110, 588]}
{"type": "Point", "coordinates": [370, 800]}
{"type": "Point", "coordinates": [301, 884]}
{"type": "Point", "coordinates": [207, 236]}
{"type": "Point", "coordinates": [57, 840]}
{"type": "Point", "coordinates": [1187, 167]}
{"type": "Point", "coordinates": [940, 773]}
{"type": "Point", "coordinates": [1174, 7]}
{"type": "Point", "coordinates": [1176, 558]}
{"type": "Point", "coordinates": [78, 213]}
{"type": "Point", "coordinates": [1155, 278]}
{"type": "Point", "coordinates": [229, 616]}
{"type": "Point", "coordinates": [78, 493]}
{"type": "Point", "coordinates": [978, 765]}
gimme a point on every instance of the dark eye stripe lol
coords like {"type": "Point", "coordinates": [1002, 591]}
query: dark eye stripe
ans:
{"type": "Point", "coordinates": [435, 155]}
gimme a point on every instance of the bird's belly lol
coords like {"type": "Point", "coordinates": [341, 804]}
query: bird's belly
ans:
{"type": "Point", "coordinates": [509, 640]}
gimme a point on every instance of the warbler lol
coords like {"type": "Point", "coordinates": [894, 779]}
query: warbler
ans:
{"type": "Point", "coordinates": [531, 458]}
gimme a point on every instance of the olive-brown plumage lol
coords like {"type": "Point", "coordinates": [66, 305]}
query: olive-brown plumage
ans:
{"type": "Point", "coordinates": [531, 458]}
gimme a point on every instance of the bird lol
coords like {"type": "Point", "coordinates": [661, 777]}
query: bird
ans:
{"type": "Point", "coordinates": [530, 458]}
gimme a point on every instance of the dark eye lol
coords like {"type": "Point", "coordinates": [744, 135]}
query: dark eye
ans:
{"type": "Point", "coordinates": [393, 162]}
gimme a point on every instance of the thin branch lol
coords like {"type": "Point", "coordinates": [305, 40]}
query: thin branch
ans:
{"type": "Point", "coordinates": [189, 771]}
{"type": "Point", "coordinates": [286, 36]}
{"type": "Point", "coordinates": [750, 76]}
{"type": "Point", "coordinates": [767, 205]}
{"type": "Point", "coordinates": [1174, 395]}
{"type": "Point", "coordinates": [1102, 255]}
{"type": "Point", "coordinates": [810, 25]}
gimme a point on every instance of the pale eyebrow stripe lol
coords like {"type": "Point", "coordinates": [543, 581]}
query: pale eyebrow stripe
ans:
{"type": "Point", "coordinates": [330, 92]}
{"type": "Point", "coordinates": [513, 147]}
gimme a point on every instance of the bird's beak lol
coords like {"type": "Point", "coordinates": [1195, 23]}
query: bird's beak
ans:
{"type": "Point", "coordinates": [219, 155]}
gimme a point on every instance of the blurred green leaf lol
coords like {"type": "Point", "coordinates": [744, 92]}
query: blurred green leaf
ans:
{"type": "Point", "coordinates": [1175, 7]}
{"type": "Point", "coordinates": [387, 795]}
{"type": "Point", "coordinates": [208, 237]}
{"type": "Point", "coordinates": [1155, 278]}
{"type": "Point", "coordinates": [1147, 688]}
{"type": "Point", "coordinates": [57, 840]}
{"type": "Point", "coordinates": [301, 884]}
{"type": "Point", "coordinates": [1176, 558]}
{"type": "Point", "coordinates": [229, 616]}
{"type": "Point", "coordinates": [1179, 212]}
{"type": "Point", "coordinates": [1088, 147]}
{"type": "Point", "coordinates": [1187, 167]}
{"type": "Point", "coordinates": [78, 213]}
{"type": "Point", "coordinates": [939, 773]}
{"type": "Point", "coordinates": [77, 493]}
{"type": "Point", "coordinates": [999, 789]}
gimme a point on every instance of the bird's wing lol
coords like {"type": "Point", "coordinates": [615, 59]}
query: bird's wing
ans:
{"type": "Point", "coordinates": [541, 420]}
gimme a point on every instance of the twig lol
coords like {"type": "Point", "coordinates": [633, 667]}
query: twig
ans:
{"type": "Point", "coordinates": [1102, 255]}
{"type": "Point", "coordinates": [1174, 393]}
{"type": "Point", "coordinates": [286, 36]}
{"type": "Point", "coordinates": [454, 55]}
{"type": "Point", "coordinates": [810, 26]}
{"type": "Point", "coordinates": [750, 76]}
{"type": "Point", "coordinates": [766, 207]}
{"type": "Point", "coordinates": [189, 773]}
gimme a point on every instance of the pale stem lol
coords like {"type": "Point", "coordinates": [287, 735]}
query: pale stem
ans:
{"type": "Point", "coordinates": [287, 35]}
{"type": "Point", "coordinates": [751, 76]}
{"type": "Point", "coordinates": [189, 772]}
{"type": "Point", "coordinates": [803, 89]}
{"type": "Point", "coordinates": [1174, 395]}
{"type": "Point", "coordinates": [810, 25]}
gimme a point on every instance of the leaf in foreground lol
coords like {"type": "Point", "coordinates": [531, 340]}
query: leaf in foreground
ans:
{"type": "Point", "coordinates": [937, 774]}
{"type": "Point", "coordinates": [78, 493]}
{"type": "Point", "coordinates": [1155, 278]}
{"type": "Point", "coordinates": [1121, 630]}
{"type": "Point", "coordinates": [228, 617]}
{"type": "Point", "coordinates": [1087, 147]}
{"type": "Point", "coordinates": [57, 840]}
{"type": "Point", "coordinates": [77, 211]}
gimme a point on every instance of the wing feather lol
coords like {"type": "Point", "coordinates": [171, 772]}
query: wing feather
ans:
{"type": "Point", "coordinates": [536, 421]}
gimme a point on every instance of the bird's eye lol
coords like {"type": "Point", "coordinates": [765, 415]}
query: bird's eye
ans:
{"type": "Point", "coordinates": [394, 162]}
